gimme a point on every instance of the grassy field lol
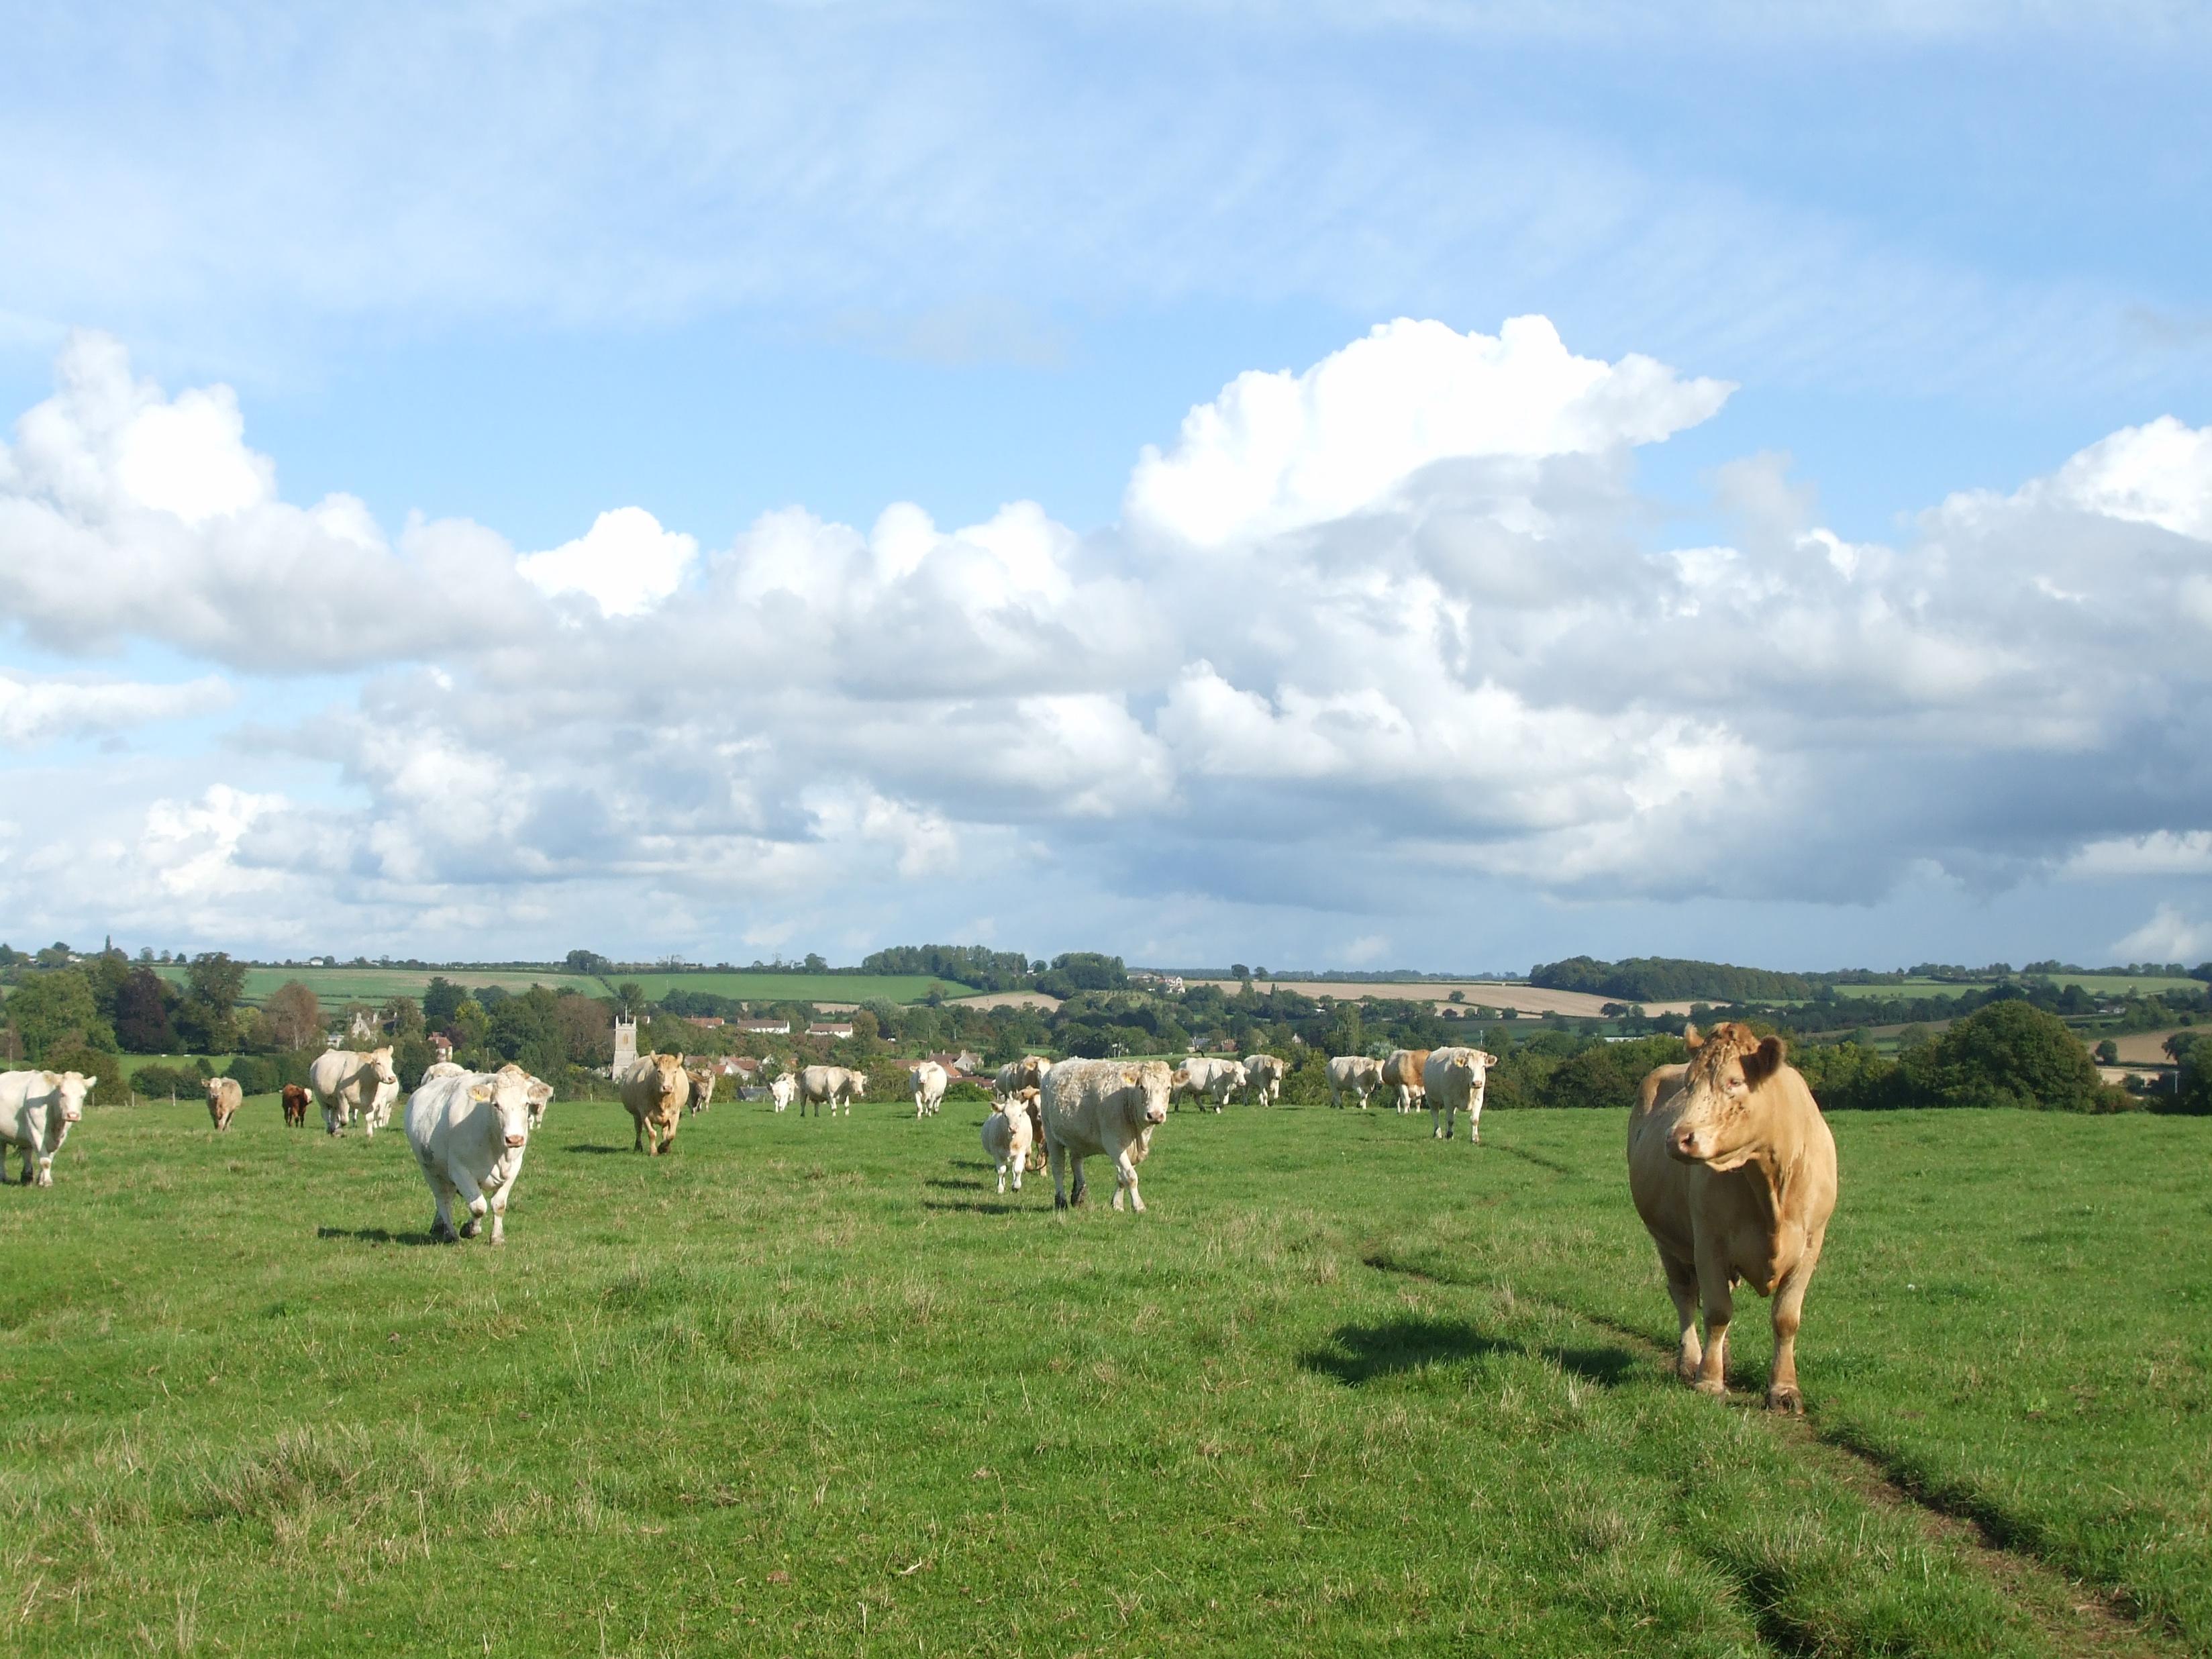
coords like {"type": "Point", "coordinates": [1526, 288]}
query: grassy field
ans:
{"type": "Point", "coordinates": [810, 1386]}
{"type": "Point", "coordinates": [799, 988]}
{"type": "Point", "coordinates": [2099, 984]}
{"type": "Point", "coordinates": [343, 985]}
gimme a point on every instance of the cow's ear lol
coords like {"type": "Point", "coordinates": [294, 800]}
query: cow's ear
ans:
{"type": "Point", "coordinates": [1763, 1062]}
{"type": "Point", "coordinates": [1691, 1039]}
{"type": "Point", "coordinates": [1131, 1074]}
{"type": "Point", "coordinates": [480, 1091]}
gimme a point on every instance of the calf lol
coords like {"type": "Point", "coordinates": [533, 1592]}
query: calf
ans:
{"type": "Point", "coordinates": [1732, 1169]}
{"type": "Point", "coordinates": [295, 1099]}
{"type": "Point", "coordinates": [36, 1112]}
{"type": "Point", "coordinates": [1103, 1106]}
{"type": "Point", "coordinates": [469, 1132]}
{"type": "Point", "coordinates": [224, 1098]}
{"type": "Point", "coordinates": [1008, 1136]}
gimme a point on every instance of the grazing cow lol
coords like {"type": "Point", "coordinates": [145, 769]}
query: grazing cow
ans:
{"type": "Point", "coordinates": [1402, 1072]}
{"type": "Point", "coordinates": [1355, 1075]}
{"type": "Point", "coordinates": [224, 1098]}
{"type": "Point", "coordinates": [1734, 1172]}
{"type": "Point", "coordinates": [929, 1081]}
{"type": "Point", "coordinates": [654, 1089]}
{"type": "Point", "coordinates": [296, 1099]}
{"type": "Point", "coordinates": [1453, 1079]}
{"type": "Point", "coordinates": [352, 1085]}
{"type": "Point", "coordinates": [36, 1110]}
{"type": "Point", "coordinates": [783, 1090]}
{"type": "Point", "coordinates": [1267, 1074]}
{"type": "Point", "coordinates": [1107, 1106]}
{"type": "Point", "coordinates": [1027, 1073]}
{"type": "Point", "coordinates": [469, 1132]}
{"type": "Point", "coordinates": [1008, 1136]}
{"type": "Point", "coordinates": [703, 1087]}
{"type": "Point", "coordinates": [831, 1086]}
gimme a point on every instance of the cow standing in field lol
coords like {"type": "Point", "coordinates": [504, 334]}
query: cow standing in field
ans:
{"type": "Point", "coordinates": [929, 1081]}
{"type": "Point", "coordinates": [1734, 1172]}
{"type": "Point", "coordinates": [1008, 1137]}
{"type": "Point", "coordinates": [702, 1088]}
{"type": "Point", "coordinates": [1455, 1080]}
{"type": "Point", "coordinates": [469, 1132]}
{"type": "Point", "coordinates": [1208, 1082]}
{"type": "Point", "coordinates": [36, 1112]}
{"type": "Point", "coordinates": [783, 1090]}
{"type": "Point", "coordinates": [831, 1086]}
{"type": "Point", "coordinates": [1402, 1072]}
{"type": "Point", "coordinates": [654, 1089]}
{"type": "Point", "coordinates": [296, 1099]}
{"type": "Point", "coordinates": [1027, 1073]}
{"type": "Point", "coordinates": [352, 1085]}
{"type": "Point", "coordinates": [1103, 1106]}
{"type": "Point", "coordinates": [1355, 1075]}
{"type": "Point", "coordinates": [224, 1098]}
{"type": "Point", "coordinates": [1266, 1074]}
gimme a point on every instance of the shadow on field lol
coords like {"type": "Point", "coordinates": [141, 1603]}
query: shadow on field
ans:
{"type": "Point", "coordinates": [1360, 1353]}
{"type": "Point", "coordinates": [976, 1206]}
{"type": "Point", "coordinates": [590, 1149]}
{"type": "Point", "coordinates": [375, 1236]}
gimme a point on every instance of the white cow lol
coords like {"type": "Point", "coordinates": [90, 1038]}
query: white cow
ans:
{"type": "Point", "coordinates": [703, 1087]}
{"type": "Point", "coordinates": [1456, 1079]}
{"type": "Point", "coordinates": [1206, 1080]}
{"type": "Point", "coordinates": [350, 1085]}
{"type": "Point", "coordinates": [1007, 1138]}
{"type": "Point", "coordinates": [224, 1098]}
{"type": "Point", "coordinates": [1108, 1107]}
{"type": "Point", "coordinates": [783, 1090]}
{"type": "Point", "coordinates": [832, 1086]}
{"type": "Point", "coordinates": [469, 1132]}
{"type": "Point", "coordinates": [442, 1068]}
{"type": "Point", "coordinates": [1355, 1075]}
{"type": "Point", "coordinates": [1016, 1075]}
{"type": "Point", "coordinates": [36, 1110]}
{"type": "Point", "coordinates": [1267, 1074]}
{"type": "Point", "coordinates": [929, 1081]}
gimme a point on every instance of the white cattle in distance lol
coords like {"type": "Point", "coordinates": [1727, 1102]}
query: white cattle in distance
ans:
{"type": "Point", "coordinates": [1206, 1081]}
{"type": "Point", "coordinates": [929, 1081]}
{"type": "Point", "coordinates": [831, 1086]}
{"type": "Point", "coordinates": [36, 1110]}
{"type": "Point", "coordinates": [1108, 1107]}
{"type": "Point", "coordinates": [350, 1085]}
{"type": "Point", "coordinates": [224, 1098]}
{"type": "Point", "coordinates": [1455, 1079]}
{"type": "Point", "coordinates": [1008, 1135]}
{"type": "Point", "coordinates": [1355, 1075]}
{"type": "Point", "coordinates": [1016, 1075]}
{"type": "Point", "coordinates": [469, 1132]}
{"type": "Point", "coordinates": [442, 1068]}
{"type": "Point", "coordinates": [1266, 1074]}
{"type": "Point", "coordinates": [703, 1087]}
{"type": "Point", "coordinates": [783, 1090]}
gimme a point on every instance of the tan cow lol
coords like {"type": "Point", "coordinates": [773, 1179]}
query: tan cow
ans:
{"type": "Point", "coordinates": [1265, 1073]}
{"type": "Point", "coordinates": [1402, 1072]}
{"type": "Point", "coordinates": [1455, 1080]}
{"type": "Point", "coordinates": [702, 1088]}
{"type": "Point", "coordinates": [831, 1086]}
{"type": "Point", "coordinates": [1016, 1075]}
{"type": "Point", "coordinates": [352, 1085]}
{"type": "Point", "coordinates": [224, 1098]}
{"type": "Point", "coordinates": [654, 1091]}
{"type": "Point", "coordinates": [1734, 1172]}
{"type": "Point", "coordinates": [1108, 1107]}
{"type": "Point", "coordinates": [1355, 1075]}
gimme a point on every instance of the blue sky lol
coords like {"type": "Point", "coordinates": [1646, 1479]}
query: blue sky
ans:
{"type": "Point", "coordinates": [1885, 646]}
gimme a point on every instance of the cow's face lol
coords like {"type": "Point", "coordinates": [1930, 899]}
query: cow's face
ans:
{"type": "Point", "coordinates": [1148, 1086]}
{"type": "Point", "coordinates": [507, 1093]}
{"type": "Point", "coordinates": [1726, 1071]}
{"type": "Point", "coordinates": [70, 1090]}
{"type": "Point", "coordinates": [860, 1085]}
{"type": "Point", "coordinates": [380, 1067]}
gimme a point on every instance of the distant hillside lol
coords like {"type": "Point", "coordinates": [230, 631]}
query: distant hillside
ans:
{"type": "Point", "coordinates": [1669, 979]}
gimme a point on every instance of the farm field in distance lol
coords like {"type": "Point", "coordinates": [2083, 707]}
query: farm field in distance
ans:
{"type": "Point", "coordinates": [811, 1386]}
{"type": "Point", "coordinates": [851, 989]}
{"type": "Point", "coordinates": [1478, 993]}
{"type": "Point", "coordinates": [2098, 984]}
{"type": "Point", "coordinates": [342, 984]}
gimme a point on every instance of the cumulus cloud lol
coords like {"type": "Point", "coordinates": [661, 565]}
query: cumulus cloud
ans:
{"type": "Point", "coordinates": [36, 711]}
{"type": "Point", "coordinates": [2169, 936]}
{"type": "Point", "coordinates": [626, 563]}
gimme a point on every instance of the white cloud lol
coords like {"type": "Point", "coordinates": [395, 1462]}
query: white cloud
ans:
{"type": "Point", "coordinates": [2161, 853]}
{"type": "Point", "coordinates": [2169, 936]}
{"type": "Point", "coordinates": [1278, 451]}
{"type": "Point", "coordinates": [2159, 473]}
{"type": "Point", "coordinates": [626, 563]}
{"type": "Point", "coordinates": [35, 711]}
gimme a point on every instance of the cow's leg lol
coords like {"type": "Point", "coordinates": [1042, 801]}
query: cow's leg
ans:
{"type": "Point", "coordinates": [1002, 1175]}
{"type": "Point", "coordinates": [1435, 1122]}
{"type": "Point", "coordinates": [1017, 1159]}
{"type": "Point", "coordinates": [1682, 1291]}
{"type": "Point", "coordinates": [1782, 1394]}
{"type": "Point", "coordinates": [46, 1170]}
{"type": "Point", "coordinates": [1077, 1189]}
{"type": "Point", "coordinates": [1055, 1157]}
{"type": "Point", "coordinates": [1720, 1309]}
{"type": "Point", "coordinates": [472, 1195]}
{"type": "Point", "coordinates": [442, 1189]}
{"type": "Point", "coordinates": [1125, 1181]}
{"type": "Point", "coordinates": [499, 1205]}
{"type": "Point", "coordinates": [1475, 1122]}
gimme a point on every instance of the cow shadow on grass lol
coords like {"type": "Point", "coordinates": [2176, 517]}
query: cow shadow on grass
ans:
{"type": "Point", "coordinates": [376, 1236]}
{"type": "Point", "coordinates": [592, 1149]}
{"type": "Point", "coordinates": [976, 1206]}
{"type": "Point", "coordinates": [1360, 1353]}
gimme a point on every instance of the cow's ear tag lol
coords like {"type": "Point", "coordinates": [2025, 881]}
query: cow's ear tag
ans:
{"type": "Point", "coordinates": [481, 1091]}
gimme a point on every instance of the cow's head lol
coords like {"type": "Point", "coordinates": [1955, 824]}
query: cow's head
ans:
{"type": "Point", "coordinates": [860, 1084]}
{"type": "Point", "coordinates": [507, 1091]}
{"type": "Point", "coordinates": [541, 1096]}
{"type": "Point", "coordinates": [71, 1089]}
{"type": "Point", "coordinates": [378, 1062]}
{"type": "Point", "coordinates": [1238, 1075]}
{"type": "Point", "coordinates": [1148, 1086]}
{"type": "Point", "coordinates": [1727, 1067]}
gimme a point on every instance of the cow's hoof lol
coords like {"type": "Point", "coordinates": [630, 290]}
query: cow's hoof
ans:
{"type": "Point", "coordinates": [1786, 1399]}
{"type": "Point", "coordinates": [1710, 1386]}
{"type": "Point", "coordinates": [441, 1234]}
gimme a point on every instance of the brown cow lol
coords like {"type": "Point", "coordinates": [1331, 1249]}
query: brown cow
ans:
{"type": "Point", "coordinates": [295, 1105]}
{"type": "Point", "coordinates": [1402, 1072]}
{"type": "Point", "coordinates": [1734, 1172]}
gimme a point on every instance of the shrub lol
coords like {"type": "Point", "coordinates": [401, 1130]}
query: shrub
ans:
{"type": "Point", "coordinates": [2009, 1054]}
{"type": "Point", "coordinates": [257, 1074]}
{"type": "Point", "coordinates": [98, 1064]}
{"type": "Point", "coordinates": [162, 1078]}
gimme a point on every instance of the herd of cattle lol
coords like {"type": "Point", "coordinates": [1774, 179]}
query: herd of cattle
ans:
{"type": "Point", "coordinates": [1731, 1166]}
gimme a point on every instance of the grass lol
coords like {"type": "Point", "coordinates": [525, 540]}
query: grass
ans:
{"type": "Point", "coordinates": [2099, 984]}
{"type": "Point", "coordinates": [800, 987]}
{"type": "Point", "coordinates": [813, 1386]}
{"type": "Point", "coordinates": [342, 984]}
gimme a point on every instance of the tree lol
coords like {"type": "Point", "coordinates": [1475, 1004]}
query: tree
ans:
{"type": "Point", "coordinates": [207, 1018]}
{"type": "Point", "coordinates": [1238, 971]}
{"type": "Point", "coordinates": [631, 995]}
{"type": "Point", "coordinates": [2108, 1053]}
{"type": "Point", "coordinates": [142, 1015]}
{"type": "Point", "coordinates": [2008, 1053]}
{"type": "Point", "coordinates": [470, 1028]}
{"type": "Point", "coordinates": [588, 962]}
{"type": "Point", "coordinates": [586, 1024]}
{"type": "Point", "coordinates": [54, 1008]}
{"type": "Point", "coordinates": [295, 1016]}
{"type": "Point", "coordinates": [526, 1030]}
{"type": "Point", "coordinates": [440, 999]}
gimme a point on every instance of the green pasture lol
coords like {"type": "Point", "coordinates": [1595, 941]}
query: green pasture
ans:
{"type": "Point", "coordinates": [2114, 985]}
{"type": "Point", "coordinates": [799, 988]}
{"type": "Point", "coordinates": [343, 985]}
{"type": "Point", "coordinates": [811, 1386]}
